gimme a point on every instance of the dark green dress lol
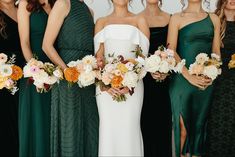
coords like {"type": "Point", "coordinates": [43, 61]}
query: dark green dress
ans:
{"type": "Point", "coordinates": [34, 108]}
{"type": "Point", "coordinates": [74, 114]}
{"type": "Point", "coordinates": [187, 100]}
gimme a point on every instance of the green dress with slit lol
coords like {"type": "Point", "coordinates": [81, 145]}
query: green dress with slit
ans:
{"type": "Point", "coordinates": [187, 100]}
{"type": "Point", "coordinates": [34, 107]}
{"type": "Point", "coordinates": [74, 113]}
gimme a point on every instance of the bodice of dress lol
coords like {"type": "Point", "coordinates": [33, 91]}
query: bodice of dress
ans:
{"type": "Point", "coordinates": [77, 30]}
{"type": "Point", "coordinates": [158, 37]}
{"type": "Point", "coordinates": [195, 38]}
{"type": "Point", "coordinates": [121, 39]}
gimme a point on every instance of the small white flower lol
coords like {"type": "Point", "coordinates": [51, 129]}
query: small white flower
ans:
{"type": "Point", "coordinates": [215, 56]}
{"type": "Point", "coordinates": [90, 60]}
{"type": "Point", "coordinates": [129, 66]}
{"type": "Point", "coordinates": [130, 80]}
{"type": "Point", "coordinates": [152, 63]}
{"type": "Point", "coordinates": [5, 70]}
{"type": "Point", "coordinates": [86, 79]}
{"type": "Point", "coordinates": [179, 67]}
{"type": "Point", "coordinates": [38, 84]}
{"type": "Point", "coordinates": [41, 77]}
{"type": "Point", "coordinates": [109, 68]}
{"type": "Point", "coordinates": [26, 71]}
{"type": "Point", "coordinates": [140, 60]}
{"type": "Point", "coordinates": [211, 71]}
{"type": "Point", "coordinates": [106, 78]}
{"type": "Point", "coordinates": [170, 53]}
{"type": "Point", "coordinates": [58, 73]}
{"type": "Point", "coordinates": [88, 68]}
{"type": "Point", "coordinates": [72, 64]}
{"type": "Point", "coordinates": [14, 90]}
{"type": "Point", "coordinates": [51, 80]}
{"type": "Point", "coordinates": [3, 58]}
{"type": "Point", "coordinates": [164, 67]}
{"type": "Point", "coordinates": [201, 58]}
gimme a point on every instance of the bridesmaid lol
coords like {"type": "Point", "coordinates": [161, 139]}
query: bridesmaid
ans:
{"type": "Point", "coordinates": [10, 44]}
{"type": "Point", "coordinates": [74, 114]}
{"type": "Point", "coordinates": [221, 128]}
{"type": "Point", "coordinates": [157, 140]}
{"type": "Point", "coordinates": [34, 108]}
{"type": "Point", "coordinates": [191, 95]}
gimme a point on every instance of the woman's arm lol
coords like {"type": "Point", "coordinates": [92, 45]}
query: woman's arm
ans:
{"type": "Point", "coordinates": [54, 24]}
{"type": "Point", "coordinates": [24, 29]}
{"type": "Point", "coordinates": [143, 26]}
{"type": "Point", "coordinates": [216, 40]}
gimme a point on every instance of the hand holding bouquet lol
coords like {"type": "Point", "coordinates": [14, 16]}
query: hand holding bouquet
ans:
{"type": "Point", "coordinates": [42, 75]}
{"type": "Point", "coordinates": [205, 66]}
{"type": "Point", "coordinates": [120, 76]}
{"type": "Point", "coordinates": [82, 72]}
{"type": "Point", "coordinates": [9, 73]}
{"type": "Point", "coordinates": [163, 62]}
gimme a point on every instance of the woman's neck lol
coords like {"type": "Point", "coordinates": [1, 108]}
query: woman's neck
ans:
{"type": "Point", "coordinates": [195, 7]}
{"type": "Point", "coordinates": [7, 6]}
{"type": "Point", "coordinates": [121, 11]}
{"type": "Point", "coordinates": [152, 10]}
{"type": "Point", "coordinates": [230, 14]}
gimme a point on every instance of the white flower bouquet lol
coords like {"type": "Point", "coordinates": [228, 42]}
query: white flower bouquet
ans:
{"type": "Point", "coordinates": [82, 72]}
{"type": "Point", "coordinates": [9, 73]}
{"type": "Point", "coordinates": [120, 73]}
{"type": "Point", "coordinates": [205, 66]}
{"type": "Point", "coordinates": [42, 75]}
{"type": "Point", "coordinates": [163, 61]}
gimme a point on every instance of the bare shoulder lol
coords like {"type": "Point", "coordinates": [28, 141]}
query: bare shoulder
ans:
{"type": "Point", "coordinates": [175, 19]}
{"type": "Point", "coordinates": [140, 19]}
{"type": "Point", "coordinates": [100, 23]}
{"type": "Point", "coordinates": [214, 18]}
{"type": "Point", "coordinates": [22, 3]}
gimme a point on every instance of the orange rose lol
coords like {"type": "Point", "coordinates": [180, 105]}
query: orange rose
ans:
{"type": "Point", "coordinates": [71, 74]}
{"type": "Point", "coordinates": [116, 82]}
{"type": "Point", "coordinates": [17, 73]}
{"type": "Point", "coordinates": [233, 57]}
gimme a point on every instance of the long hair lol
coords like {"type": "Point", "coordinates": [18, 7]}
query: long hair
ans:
{"type": "Point", "coordinates": [35, 5]}
{"type": "Point", "coordinates": [220, 12]}
{"type": "Point", "coordinates": [2, 26]}
{"type": "Point", "coordinates": [160, 4]}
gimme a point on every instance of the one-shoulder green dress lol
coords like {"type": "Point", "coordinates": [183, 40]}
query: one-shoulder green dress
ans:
{"type": "Point", "coordinates": [34, 107]}
{"type": "Point", "coordinates": [187, 100]}
{"type": "Point", "coordinates": [74, 113]}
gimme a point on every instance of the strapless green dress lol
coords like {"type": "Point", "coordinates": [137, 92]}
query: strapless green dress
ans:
{"type": "Point", "coordinates": [187, 100]}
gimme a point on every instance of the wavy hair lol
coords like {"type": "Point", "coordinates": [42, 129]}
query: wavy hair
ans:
{"type": "Point", "coordinates": [2, 25]}
{"type": "Point", "coordinates": [35, 5]}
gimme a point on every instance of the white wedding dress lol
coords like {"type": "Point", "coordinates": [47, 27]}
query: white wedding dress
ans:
{"type": "Point", "coordinates": [119, 131]}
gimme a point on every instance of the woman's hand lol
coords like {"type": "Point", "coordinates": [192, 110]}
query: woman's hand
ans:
{"type": "Point", "coordinates": [100, 61]}
{"type": "Point", "coordinates": [199, 81]}
{"type": "Point", "coordinates": [159, 76]}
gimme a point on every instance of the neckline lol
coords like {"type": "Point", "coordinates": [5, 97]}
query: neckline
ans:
{"type": "Point", "coordinates": [124, 25]}
{"type": "Point", "coordinates": [159, 27]}
{"type": "Point", "coordinates": [208, 16]}
{"type": "Point", "coordinates": [9, 17]}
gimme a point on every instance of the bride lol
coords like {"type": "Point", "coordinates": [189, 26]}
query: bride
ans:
{"type": "Point", "coordinates": [119, 33]}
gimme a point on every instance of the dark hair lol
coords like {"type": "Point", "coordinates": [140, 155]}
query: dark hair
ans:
{"type": "Point", "coordinates": [142, 1]}
{"type": "Point", "coordinates": [35, 5]}
{"type": "Point", "coordinates": [2, 25]}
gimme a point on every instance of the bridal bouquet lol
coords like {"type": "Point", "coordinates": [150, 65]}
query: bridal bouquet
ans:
{"type": "Point", "coordinates": [163, 61]}
{"type": "Point", "coordinates": [9, 73]}
{"type": "Point", "coordinates": [82, 72]}
{"type": "Point", "coordinates": [42, 75]}
{"type": "Point", "coordinates": [120, 73]}
{"type": "Point", "coordinates": [208, 67]}
{"type": "Point", "coordinates": [231, 63]}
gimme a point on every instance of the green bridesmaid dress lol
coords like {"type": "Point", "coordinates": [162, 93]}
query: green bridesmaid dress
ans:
{"type": "Point", "coordinates": [34, 108]}
{"type": "Point", "coordinates": [74, 113]}
{"type": "Point", "coordinates": [188, 101]}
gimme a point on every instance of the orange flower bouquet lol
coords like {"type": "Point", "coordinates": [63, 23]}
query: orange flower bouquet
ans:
{"type": "Point", "coordinates": [82, 72]}
{"type": "Point", "coordinates": [120, 73]}
{"type": "Point", "coordinates": [9, 73]}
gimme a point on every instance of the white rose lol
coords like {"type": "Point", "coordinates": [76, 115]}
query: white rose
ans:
{"type": "Point", "coordinates": [27, 71]}
{"type": "Point", "coordinates": [106, 78]}
{"type": "Point", "coordinates": [109, 68]}
{"type": "Point", "coordinates": [58, 73]}
{"type": "Point", "coordinates": [130, 80]}
{"type": "Point", "coordinates": [88, 68]}
{"type": "Point", "coordinates": [51, 80]}
{"type": "Point", "coordinates": [129, 66]}
{"type": "Point", "coordinates": [211, 71]}
{"type": "Point", "coordinates": [152, 63]}
{"type": "Point", "coordinates": [170, 53]}
{"type": "Point", "coordinates": [86, 79]}
{"type": "Point", "coordinates": [140, 61]}
{"type": "Point", "coordinates": [90, 60]}
{"type": "Point", "coordinates": [3, 58]}
{"type": "Point", "coordinates": [72, 64]}
{"type": "Point", "coordinates": [38, 84]}
{"type": "Point", "coordinates": [179, 67]}
{"type": "Point", "coordinates": [164, 67]}
{"type": "Point", "coordinates": [41, 77]}
{"type": "Point", "coordinates": [201, 58]}
{"type": "Point", "coordinates": [5, 70]}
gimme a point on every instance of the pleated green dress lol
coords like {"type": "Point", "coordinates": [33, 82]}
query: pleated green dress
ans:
{"type": "Point", "coordinates": [187, 100]}
{"type": "Point", "coordinates": [74, 114]}
{"type": "Point", "coordinates": [34, 108]}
